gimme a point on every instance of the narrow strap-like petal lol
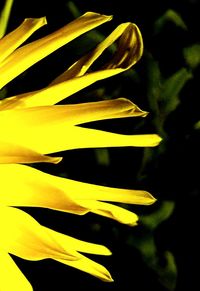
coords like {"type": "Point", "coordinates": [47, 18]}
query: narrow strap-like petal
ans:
{"type": "Point", "coordinates": [14, 39]}
{"type": "Point", "coordinates": [57, 136]}
{"type": "Point", "coordinates": [39, 49]}
{"type": "Point", "coordinates": [69, 114]}
{"type": "Point", "coordinates": [31, 187]}
{"type": "Point", "coordinates": [78, 245]}
{"type": "Point", "coordinates": [86, 265]}
{"type": "Point", "coordinates": [4, 16]}
{"type": "Point", "coordinates": [111, 211]}
{"type": "Point", "coordinates": [11, 277]}
{"type": "Point", "coordinates": [23, 236]}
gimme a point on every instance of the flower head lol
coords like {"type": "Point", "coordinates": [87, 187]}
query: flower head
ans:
{"type": "Point", "coordinates": [33, 127]}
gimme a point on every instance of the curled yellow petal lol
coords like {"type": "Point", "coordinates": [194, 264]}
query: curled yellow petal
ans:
{"type": "Point", "coordinates": [33, 52]}
{"type": "Point", "coordinates": [129, 51]}
{"type": "Point", "coordinates": [11, 277]}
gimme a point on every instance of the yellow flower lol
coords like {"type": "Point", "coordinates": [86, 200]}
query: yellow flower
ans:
{"type": "Point", "coordinates": [32, 127]}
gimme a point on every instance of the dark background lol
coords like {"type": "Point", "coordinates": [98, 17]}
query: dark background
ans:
{"type": "Point", "coordinates": [171, 174]}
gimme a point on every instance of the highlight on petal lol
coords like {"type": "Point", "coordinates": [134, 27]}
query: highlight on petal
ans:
{"type": "Point", "coordinates": [33, 52]}
{"type": "Point", "coordinates": [67, 195]}
{"type": "Point", "coordinates": [13, 153]}
{"type": "Point", "coordinates": [23, 236]}
{"type": "Point", "coordinates": [11, 277]}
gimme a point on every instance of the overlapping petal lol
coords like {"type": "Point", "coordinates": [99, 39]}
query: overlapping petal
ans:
{"type": "Point", "coordinates": [51, 129]}
{"type": "Point", "coordinates": [23, 236]}
{"type": "Point", "coordinates": [31, 187]}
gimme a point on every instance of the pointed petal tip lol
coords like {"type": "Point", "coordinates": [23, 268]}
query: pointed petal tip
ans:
{"type": "Point", "coordinates": [106, 251]}
{"type": "Point", "coordinates": [107, 277]}
{"type": "Point", "coordinates": [151, 200]}
{"type": "Point", "coordinates": [156, 139]}
{"type": "Point", "coordinates": [56, 160]}
{"type": "Point", "coordinates": [133, 223]}
{"type": "Point", "coordinates": [144, 113]}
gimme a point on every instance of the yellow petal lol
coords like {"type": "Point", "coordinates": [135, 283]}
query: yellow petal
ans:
{"type": "Point", "coordinates": [86, 265]}
{"type": "Point", "coordinates": [13, 153]}
{"type": "Point", "coordinates": [14, 39]}
{"type": "Point", "coordinates": [31, 53]}
{"type": "Point", "coordinates": [4, 16]}
{"type": "Point", "coordinates": [81, 191]}
{"type": "Point", "coordinates": [31, 187]}
{"type": "Point", "coordinates": [23, 236]}
{"type": "Point", "coordinates": [68, 114]}
{"type": "Point", "coordinates": [111, 211]}
{"type": "Point", "coordinates": [129, 51]}
{"type": "Point", "coordinates": [11, 277]}
{"type": "Point", "coordinates": [57, 136]}
{"type": "Point", "coordinates": [81, 246]}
